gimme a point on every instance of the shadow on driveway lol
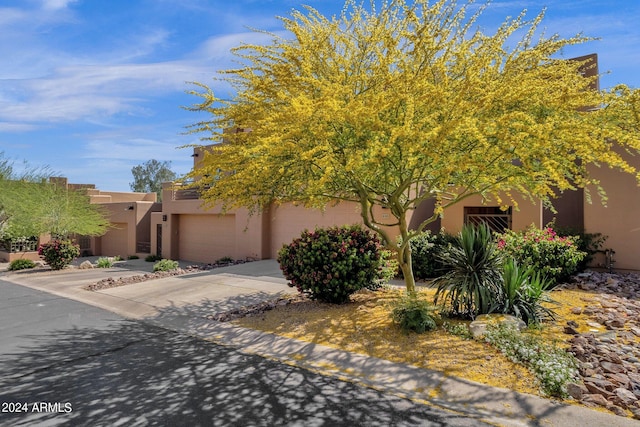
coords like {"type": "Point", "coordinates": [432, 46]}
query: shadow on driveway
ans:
{"type": "Point", "coordinates": [135, 374]}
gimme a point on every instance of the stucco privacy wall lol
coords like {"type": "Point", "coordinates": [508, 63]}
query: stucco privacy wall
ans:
{"type": "Point", "coordinates": [186, 230]}
{"type": "Point", "coordinates": [620, 218]}
{"type": "Point", "coordinates": [288, 221]}
{"type": "Point", "coordinates": [114, 242]}
{"type": "Point", "coordinates": [528, 213]}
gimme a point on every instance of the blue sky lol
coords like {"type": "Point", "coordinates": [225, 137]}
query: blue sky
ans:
{"type": "Point", "coordinates": [92, 88]}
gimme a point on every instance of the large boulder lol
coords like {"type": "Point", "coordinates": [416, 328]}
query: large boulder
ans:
{"type": "Point", "coordinates": [85, 265]}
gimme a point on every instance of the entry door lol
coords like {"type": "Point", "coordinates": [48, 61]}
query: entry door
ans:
{"type": "Point", "coordinates": [159, 240]}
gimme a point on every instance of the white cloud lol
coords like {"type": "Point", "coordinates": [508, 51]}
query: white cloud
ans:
{"type": "Point", "coordinates": [79, 92]}
{"type": "Point", "coordinates": [16, 127]}
{"type": "Point", "coordinates": [84, 89]}
{"type": "Point", "coordinates": [56, 4]}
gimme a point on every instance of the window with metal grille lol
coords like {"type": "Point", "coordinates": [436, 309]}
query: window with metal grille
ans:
{"type": "Point", "coordinates": [23, 244]}
{"type": "Point", "coordinates": [497, 219]}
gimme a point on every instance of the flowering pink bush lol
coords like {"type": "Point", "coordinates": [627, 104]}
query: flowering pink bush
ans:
{"type": "Point", "coordinates": [330, 264]}
{"type": "Point", "coordinates": [59, 253]}
{"type": "Point", "coordinates": [553, 256]}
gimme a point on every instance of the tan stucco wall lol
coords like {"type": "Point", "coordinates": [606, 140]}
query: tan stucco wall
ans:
{"type": "Point", "coordinates": [259, 236]}
{"type": "Point", "coordinates": [98, 196]}
{"type": "Point", "coordinates": [620, 218]}
{"type": "Point", "coordinates": [132, 222]}
{"type": "Point", "coordinates": [289, 221]}
{"type": "Point", "coordinates": [528, 213]}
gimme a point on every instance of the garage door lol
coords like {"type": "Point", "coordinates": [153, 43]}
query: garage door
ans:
{"type": "Point", "coordinates": [114, 242]}
{"type": "Point", "coordinates": [206, 238]}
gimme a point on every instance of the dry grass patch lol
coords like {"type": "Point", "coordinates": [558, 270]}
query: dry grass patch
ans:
{"type": "Point", "coordinates": [365, 327]}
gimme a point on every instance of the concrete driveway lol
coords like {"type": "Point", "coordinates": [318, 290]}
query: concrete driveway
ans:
{"type": "Point", "coordinates": [205, 293]}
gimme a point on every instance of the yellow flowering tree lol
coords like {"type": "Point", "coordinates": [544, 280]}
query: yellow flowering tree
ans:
{"type": "Point", "coordinates": [394, 105]}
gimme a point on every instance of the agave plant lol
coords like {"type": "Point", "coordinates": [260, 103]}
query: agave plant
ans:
{"type": "Point", "coordinates": [524, 290]}
{"type": "Point", "coordinates": [473, 282]}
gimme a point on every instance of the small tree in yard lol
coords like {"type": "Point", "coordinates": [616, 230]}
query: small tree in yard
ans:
{"type": "Point", "coordinates": [406, 102]}
{"type": "Point", "coordinates": [31, 206]}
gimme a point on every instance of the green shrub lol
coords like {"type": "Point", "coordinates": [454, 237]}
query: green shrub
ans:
{"type": "Point", "coordinates": [104, 263]}
{"type": "Point", "coordinates": [472, 285]}
{"type": "Point", "coordinates": [21, 264]}
{"type": "Point", "coordinates": [425, 250]}
{"type": "Point", "coordinates": [553, 256]}
{"type": "Point", "coordinates": [330, 264]}
{"type": "Point", "coordinates": [133, 257]}
{"type": "Point", "coordinates": [553, 366]}
{"type": "Point", "coordinates": [413, 314]}
{"type": "Point", "coordinates": [153, 258]}
{"type": "Point", "coordinates": [458, 329]}
{"type": "Point", "coordinates": [165, 265]}
{"type": "Point", "coordinates": [225, 260]}
{"type": "Point", "coordinates": [589, 243]}
{"type": "Point", "coordinates": [523, 292]}
{"type": "Point", "coordinates": [59, 253]}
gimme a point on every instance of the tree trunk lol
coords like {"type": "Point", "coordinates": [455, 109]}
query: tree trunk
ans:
{"type": "Point", "coordinates": [404, 259]}
{"type": "Point", "coordinates": [409, 280]}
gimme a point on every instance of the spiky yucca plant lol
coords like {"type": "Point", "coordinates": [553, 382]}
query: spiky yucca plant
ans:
{"type": "Point", "coordinates": [473, 282]}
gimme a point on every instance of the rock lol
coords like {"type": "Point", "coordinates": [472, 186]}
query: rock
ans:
{"type": "Point", "coordinates": [625, 397]}
{"type": "Point", "coordinates": [570, 331]}
{"type": "Point", "coordinates": [576, 390]}
{"type": "Point", "coordinates": [608, 337]}
{"type": "Point", "coordinates": [617, 410]}
{"type": "Point", "coordinates": [616, 323]}
{"type": "Point", "coordinates": [579, 340]}
{"type": "Point", "coordinates": [576, 310]}
{"type": "Point", "coordinates": [578, 351]}
{"type": "Point", "coordinates": [609, 304]}
{"type": "Point", "coordinates": [614, 358]}
{"type": "Point", "coordinates": [598, 399]}
{"type": "Point", "coordinates": [600, 384]}
{"type": "Point", "coordinates": [594, 389]}
{"type": "Point", "coordinates": [612, 367]}
{"type": "Point", "coordinates": [620, 379]}
{"type": "Point", "coordinates": [85, 265]}
{"type": "Point", "coordinates": [479, 326]}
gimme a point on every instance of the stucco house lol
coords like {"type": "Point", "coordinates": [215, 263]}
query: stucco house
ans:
{"type": "Point", "coordinates": [184, 230]}
{"type": "Point", "coordinates": [180, 228]}
{"type": "Point", "coordinates": [129, 213]}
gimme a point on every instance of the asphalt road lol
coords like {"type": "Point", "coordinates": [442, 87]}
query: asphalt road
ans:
{"type": "Point", "coordinates": [66, 363]}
